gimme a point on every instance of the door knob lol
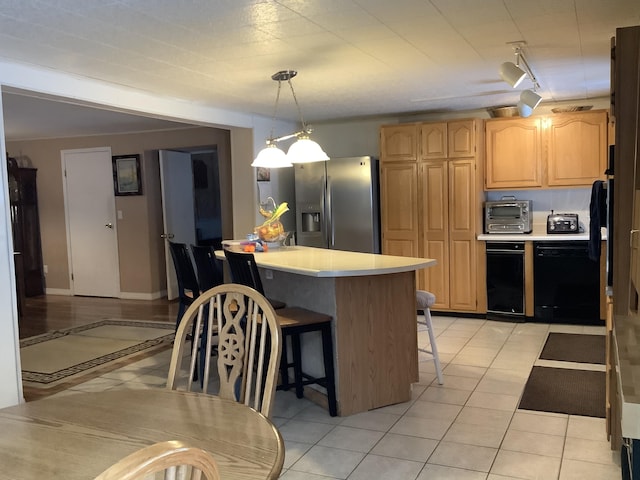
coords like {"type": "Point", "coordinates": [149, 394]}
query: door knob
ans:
{"type": "Point", "coordinates": [108, 225]}
{"type": "Point", "coordinates": [167, 235]}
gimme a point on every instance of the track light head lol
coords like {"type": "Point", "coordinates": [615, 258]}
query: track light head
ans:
{"type": "Point", "coordinates": [512, 74]}
{"type": "Point", "coordinates": [524, 110]}
{"type": "Point", "coordinates": [530, 98]}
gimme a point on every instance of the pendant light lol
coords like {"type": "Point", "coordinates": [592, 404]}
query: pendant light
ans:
{"type": "Point", "coordinates": [303, 150]}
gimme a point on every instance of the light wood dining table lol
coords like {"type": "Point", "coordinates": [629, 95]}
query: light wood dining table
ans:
{"type": "Point", "coordinates": [79, 435]}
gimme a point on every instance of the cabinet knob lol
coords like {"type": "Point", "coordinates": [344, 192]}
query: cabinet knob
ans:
{"type": "Point", "coordinates": [108, 225]}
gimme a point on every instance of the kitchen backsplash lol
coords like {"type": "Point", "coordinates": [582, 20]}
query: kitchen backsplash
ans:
{"type": "Point", "coordinates": [570, 200]}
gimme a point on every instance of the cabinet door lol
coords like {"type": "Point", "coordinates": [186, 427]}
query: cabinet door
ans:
{"type": "Point", "coordinates": [399, 208]}
{"type": "Point", "coordinates": [461, 139]}
{"type": "Point", "coordinates": [399, 143]}
{"type": "Point", "coordinates": [434, 212]}
{"type": "Point", "coordinates": [462, 234]}
{"type": "Point", "coordinates": [513, 156]}
{"type": "Point", "coordinates": [433, 138]}
{"type": "Point", "coordinates": [577, 146]}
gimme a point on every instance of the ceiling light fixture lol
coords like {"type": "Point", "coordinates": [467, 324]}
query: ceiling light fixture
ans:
{"type": "Point", "coordinates": [303, 150]}
{"type": "Point", "coordinates": [530, 98]}
{"type": "Point", "coordinates": [514, 73]}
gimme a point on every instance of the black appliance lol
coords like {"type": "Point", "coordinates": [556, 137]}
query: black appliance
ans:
{"type": "Point", "coordinates": [505, 281]}
{"type": "Point", "coordinates": [566, 285]}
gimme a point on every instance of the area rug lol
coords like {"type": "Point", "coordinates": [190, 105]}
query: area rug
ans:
{"type": "Point", "coordinates": [72, 354]}
{"type": "Point", "coordinates": [562, 390]}
{"type": "Point", "coordinates": [572, 347]}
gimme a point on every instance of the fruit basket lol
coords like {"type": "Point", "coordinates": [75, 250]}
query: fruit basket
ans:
{"type": "Point", "coordinates": [272, 231]}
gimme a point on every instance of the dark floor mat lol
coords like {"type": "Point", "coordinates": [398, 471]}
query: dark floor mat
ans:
{"type": "Point", "coordinates": [561, 390]}
{"type": "Point", "coordinates": [572, 347]}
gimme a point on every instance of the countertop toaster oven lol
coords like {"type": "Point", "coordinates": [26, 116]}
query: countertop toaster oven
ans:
{"type": "Point", "coordinates": [508, 215]}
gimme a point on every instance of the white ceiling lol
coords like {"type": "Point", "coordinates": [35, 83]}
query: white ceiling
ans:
{"type": "Point", "coordinates": [355, 58]}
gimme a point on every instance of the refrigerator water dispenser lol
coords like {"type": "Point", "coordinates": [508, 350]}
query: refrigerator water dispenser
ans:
{"type": "Point", "coordinates": [311, 221]}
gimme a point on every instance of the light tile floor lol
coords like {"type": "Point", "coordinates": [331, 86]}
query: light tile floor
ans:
{"type": "Point", "coordinates": [467, 429]}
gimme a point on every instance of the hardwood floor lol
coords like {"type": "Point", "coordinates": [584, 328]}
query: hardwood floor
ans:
{"type": "Point", "coordinates": [52, 312]}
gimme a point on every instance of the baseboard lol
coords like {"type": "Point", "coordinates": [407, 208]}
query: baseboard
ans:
{"type": "Point", "coordinates": [58, 291]}
{"type": "Point", "coordinates": [142, 296]}
{"type": "Point", "coordinates": [123, 295]}
{"type": "Point", "coordinates": [316, 397]}
{"type": "Point", "coordinates": [456, 314]}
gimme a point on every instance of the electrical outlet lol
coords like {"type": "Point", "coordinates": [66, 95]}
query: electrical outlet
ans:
{"type": "Point", "coordinates": [45, 269]}
{"type": "Point", "coordinates": [268, 274]}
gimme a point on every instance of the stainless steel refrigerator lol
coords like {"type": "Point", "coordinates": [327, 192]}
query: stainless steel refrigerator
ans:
{"type": "Point", "coordinates": [337, 204]}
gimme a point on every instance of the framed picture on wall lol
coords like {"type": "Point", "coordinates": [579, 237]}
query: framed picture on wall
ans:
{"type": "Point", "coordinates": [126, 174]}
{"type": "Point", "coordinates": [264, 174]}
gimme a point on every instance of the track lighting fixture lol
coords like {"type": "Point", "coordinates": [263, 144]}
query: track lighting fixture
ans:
{"type": "Point", "coordinates": [514, 73]}
{"type": "Point", "coordinates": [303, 150]}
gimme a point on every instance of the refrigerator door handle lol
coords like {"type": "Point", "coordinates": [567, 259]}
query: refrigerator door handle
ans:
{"type": "Point", "coordinates": [329, 215]}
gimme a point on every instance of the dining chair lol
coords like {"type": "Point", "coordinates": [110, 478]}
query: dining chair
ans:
{"type": "Point", "coordinates": [249, 343]}
{"type": "Point", "coordinates": [173, 459]}
{"type": "Point", "coordinates": [208, 267]}
{"type": "Point", "coordinates": [188, 288]}
{"type": "Point", "coordinates": [294, 322]}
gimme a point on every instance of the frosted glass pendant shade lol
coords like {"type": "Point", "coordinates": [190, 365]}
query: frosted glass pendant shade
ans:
{"type": "Point", "coordinates": [305, 150]}
{"type": "Point", "coordinates": [271, 157]}
{"type": "Point", "coordinates": [512, 74]}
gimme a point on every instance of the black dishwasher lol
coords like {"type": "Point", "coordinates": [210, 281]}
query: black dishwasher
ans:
{"type": "Point", "coordinates": [505, 281]}
{"type": "Point", "coordinates": [566, 283]}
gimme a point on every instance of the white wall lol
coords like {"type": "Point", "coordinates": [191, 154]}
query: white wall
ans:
{"type": "Point", "coordinates": [10, 377]}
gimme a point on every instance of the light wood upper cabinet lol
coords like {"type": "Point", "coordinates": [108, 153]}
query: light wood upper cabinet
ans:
{"type": "Point", "coordinates": [514, 153]}
{"type": "Point", "coordinates": [566, 149]}
{"type": "Point", "coordinates": [577, 146]}
{"type": "Point", "coordinates": [461, 138]}
{"type": "Point", "coordinates": [399, 142]}
{"type": "Point", "coordinates": [433, 140]}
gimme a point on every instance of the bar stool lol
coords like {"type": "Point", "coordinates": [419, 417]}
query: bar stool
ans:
{"type": "Point", "coordinates": [295, 321]}
{"type": "Point", "coordinates": [424, 300]}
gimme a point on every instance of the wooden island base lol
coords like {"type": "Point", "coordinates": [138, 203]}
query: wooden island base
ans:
{"type": "Point", "coordinates": [374, 329]}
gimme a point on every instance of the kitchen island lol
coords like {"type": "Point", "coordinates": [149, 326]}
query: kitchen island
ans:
{"type": "Point", "coordinates": [372, 301]}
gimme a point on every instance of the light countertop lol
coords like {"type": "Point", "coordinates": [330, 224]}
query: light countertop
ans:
{"type": "Point", "coordinates": [321, 262]}
{"type": "Point", "coordinates": [539, 233]}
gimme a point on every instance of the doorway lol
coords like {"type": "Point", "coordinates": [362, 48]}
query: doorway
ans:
{"type": "Point", "coordinates": [191, 202]}
{"type": "Point", "coordinates": [90, 215]}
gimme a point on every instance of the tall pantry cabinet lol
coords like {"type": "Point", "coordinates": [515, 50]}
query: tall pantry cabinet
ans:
{"type": "Point", "coordinates": [431, 206]}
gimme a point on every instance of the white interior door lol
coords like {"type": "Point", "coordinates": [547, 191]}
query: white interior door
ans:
{"type": "Point", "coordinates": [91, 222]}
{"type": "Point", "coordinates": [178, 209]}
